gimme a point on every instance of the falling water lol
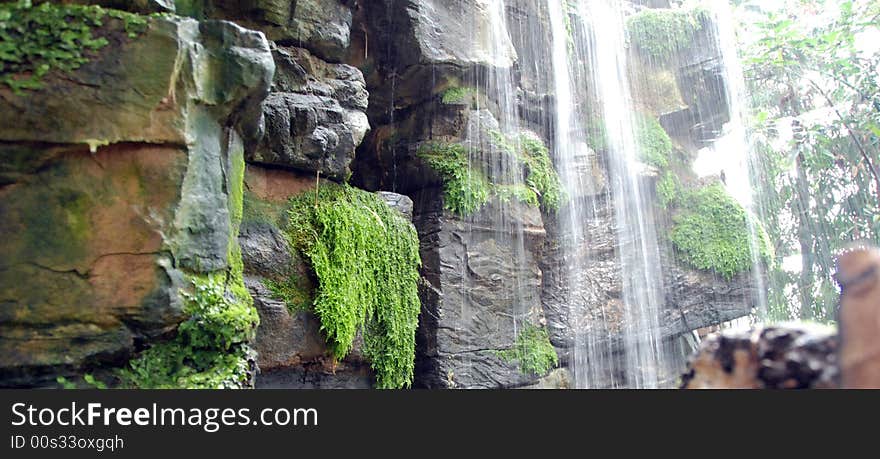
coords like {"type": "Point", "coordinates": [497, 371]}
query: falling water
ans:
{"type": "Point", "coordinates": [734, 143]}
{"type": "Point", "coordinates": [598, 360]}
{"type": "Point", "coordinates": [497, 223]}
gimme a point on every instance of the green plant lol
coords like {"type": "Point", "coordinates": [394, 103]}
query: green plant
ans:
{"type": "Point", "coordinates": [711, 232]}
{"type": "Point", "coordinates": [35, 40]}
{"type": "Point", "coordinates": [533, 351]}
{"type": "Point", "coordinates": [465, 189]}
{"type": "Point", "coordinates": [294, 291]}
{"type": "Point", "coordinates": [520, 192]}
{"type": "Point", "coordinates": [667, 189]}
{"type": "Point", "coordinates": [659, 32]}
{"type": "Point", "coordinates": [366, 258]}
{"type": "Point", "coordinates": [654, 143]}
{"type": "Point", "coordinates": [540, 174]}
{"type": "Point", "coordinates": [210, 349]}
{"type": "Point", "coordinates": [458, 95]}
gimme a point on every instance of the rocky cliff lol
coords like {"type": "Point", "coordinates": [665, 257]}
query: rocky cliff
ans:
{"type": "Point", "coordinates": [172, 152]}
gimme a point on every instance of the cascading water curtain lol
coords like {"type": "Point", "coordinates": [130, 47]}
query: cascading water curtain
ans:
{"type": "Point", "coordinates": [734, 144]}
{"type": "Point", "coordinates": [631, 356]}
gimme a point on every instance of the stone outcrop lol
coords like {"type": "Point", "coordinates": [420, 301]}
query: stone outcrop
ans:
{"type": "Point", "coordinates": [117, 182]}
{"type": "Point", "coordinates": [314, 116]}
{"type": "Point", "coordinates": [787, 356]}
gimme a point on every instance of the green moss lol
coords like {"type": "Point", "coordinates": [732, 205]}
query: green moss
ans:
{"type": "Point", "coordinates": [458, 95]}
{"type": "Point", "coordinates": [35, 40]}
{"type": "Point", "coordinates": [210, 349]}
{"type": "Point", "coordinates": [658, 33]}
{"type": "Point", "coordinates": [540, 174]}
{"type": "Point", "coordinates": [654, 143]}
{"type": "Point", "coordinates": [533, 351]}
{"type": "Point", "coordinates": [296, 293]}
{"type": "Point", "coordinates": [465, 189]}
{"type": "Point", "coordinates": [667, 189]}
{"type": "Point", "coordinates": [366, 258]}
{"type": "Point", "coordinates": [520, 192]}
{"type": "Point", "coordinates": [711, 232]}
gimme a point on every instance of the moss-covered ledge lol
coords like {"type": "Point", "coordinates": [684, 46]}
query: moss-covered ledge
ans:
{"type": "Point", "coordinates": [713, 232]}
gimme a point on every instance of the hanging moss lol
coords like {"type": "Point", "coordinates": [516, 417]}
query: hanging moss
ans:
{"type": "Point", "coordinates": [465, 189]}
{"type": "Point", "coordinates": [533, 351]}
{"type": "Point", "coordinates": [654, 143]}
{"type": "Point", "coordinates": [210, 350]}
{"type": "Point", "coordinates": [711, 232]}
{"type": "Point", "coordinates": [366, 259]}
{"type": "Point", "coordinates": [658, 33]}
{"type": "Point", "coordinates": [35, 40]}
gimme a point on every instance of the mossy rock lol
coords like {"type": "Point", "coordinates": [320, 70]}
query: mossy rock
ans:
{"type": "Point", "coordinates": [711, 231]}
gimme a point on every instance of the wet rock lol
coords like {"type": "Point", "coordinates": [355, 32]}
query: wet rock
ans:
{"type": "Point", "coordinates": [398, 202]}
{"type": "Point", "coordinates": [787, 356]}
{"type": "Point", "coordinates": [321, 26]}
{"type": "Point", "coordinates": [315, 116]}
{"type": "Point", "coordinates": [170, 113]}
{"type": "Point", "coordinates": [482, 284]}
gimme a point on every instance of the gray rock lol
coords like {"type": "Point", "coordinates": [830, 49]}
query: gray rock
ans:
{"type": "Point", "coordinates": [321, 26]}
{"type": "Point", "coordinates": [398, 202]}
{"type": "Point", "coordinates": [482, 284]}
{"type": "Point", "coordinates": [309, 133]}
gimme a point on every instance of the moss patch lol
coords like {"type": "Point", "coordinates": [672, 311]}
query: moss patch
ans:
{"type": "Point", "coordinates": [210, 350]}
{"type": "Point", "coordinates": [458, 95]}
{"type": "Point", "coordinates": [533, 351]}
{"type": "Point", "coordinates": [658, 33]}
{"type": "Point", "coordinates": [465, 189]}
{"type": "Point", "coordinates": [366, 258]}
{"type": "Point", "coordinates": [35, 40]}
{"type": "Point", "coordinates": [711, 232]}
{"type": "Point", "coordinates": [654, 143]}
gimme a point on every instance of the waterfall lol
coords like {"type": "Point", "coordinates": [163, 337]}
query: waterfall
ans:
{"type": "Point", "coordinates": [734, 144]}
{"type": "Point", "coordinates": [636, 358]}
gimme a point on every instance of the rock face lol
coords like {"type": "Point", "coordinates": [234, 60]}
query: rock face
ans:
{"type": "Point", "coordinates": [788, 356]}
{"type": "Point", "coordinates": [315, 115]}
{"type": "Point", "coordinates": [175, 107]}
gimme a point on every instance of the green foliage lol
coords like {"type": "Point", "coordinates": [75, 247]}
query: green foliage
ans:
{"type": "Point", "coordinates": [35, 40]}
{"type": "Point", "coordinates": [540, 174]}
{"type": "Point", "coordinates": [667, 189]}
{"type": "Point", "coordinates": [654, 143]}
{"type": "Point", "coordinates": [366, 259]}
{"type": "Point", "coordinates": [89, 381]}
{"type": "Point", "coordinates": [210, 349]}
{"type": "Point", "coordinates": [520, 192]}
{"type": "Point", "coordinates": [533, 351]}
{"type": "Point", "coordinates": [660, 32]}
{"type": "Point", "coordinates": [465, 189]}
{"type": "Point", "coordinates": [711, 232]}
{"type": "Point", "coordinates": [811, 67]}
{"type": "Point", "coordinates": [458, 95]}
